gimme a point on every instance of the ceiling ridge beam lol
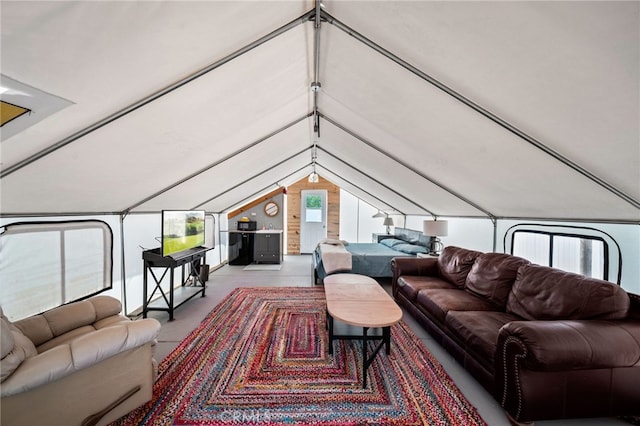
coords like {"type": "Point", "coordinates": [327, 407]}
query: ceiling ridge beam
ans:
{"type": "Point", "coordinates": [156, 95]}
{"type": "Point", "coordinates": [218, 162]}
{"type": "Point", "coordinates": [407, 166]}
{"type": "Point", "coordinates": [255, 175]}
{"type": "Point", "coordinates": [483, 111]}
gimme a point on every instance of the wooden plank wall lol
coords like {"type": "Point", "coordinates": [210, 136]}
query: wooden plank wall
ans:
{"type": "Point", "coordinates": [293, 211]}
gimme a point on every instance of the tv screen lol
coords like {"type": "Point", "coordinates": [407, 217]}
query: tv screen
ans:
{"type": "Point", "coordinates": [182, 230]}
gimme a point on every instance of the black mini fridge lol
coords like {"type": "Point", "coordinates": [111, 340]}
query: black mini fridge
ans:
{"type": "Point", "coordinates": [241, 248]}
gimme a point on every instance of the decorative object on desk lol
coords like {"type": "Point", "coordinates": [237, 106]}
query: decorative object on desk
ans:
{"type": "Point", "coordinates": [434, 229]}
{"type": "Point", "coordinates": [238, 365]}
{"type": "Point", "coordinates": [388, 222]}
{"type": "Point", "coordinates": [271, 209]}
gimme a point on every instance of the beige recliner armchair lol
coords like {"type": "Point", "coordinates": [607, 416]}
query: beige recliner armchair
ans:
{"type": "Point", "coordinates": [78, 364]}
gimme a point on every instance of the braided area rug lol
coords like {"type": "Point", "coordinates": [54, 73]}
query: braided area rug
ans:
{"type": "Point", "coordinates": [260, 358]}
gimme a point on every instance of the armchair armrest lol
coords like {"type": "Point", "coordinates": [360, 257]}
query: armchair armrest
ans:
{"type": "Point", "coordinates": [412, 266]}
{"type": "Point", "coordinates": [80, 353]}
{"type": "Point", "coordinates": [537, 361]}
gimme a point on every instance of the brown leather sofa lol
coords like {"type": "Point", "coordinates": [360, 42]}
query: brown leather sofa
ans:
{"type": "Point", "coordinates": [547, 344]}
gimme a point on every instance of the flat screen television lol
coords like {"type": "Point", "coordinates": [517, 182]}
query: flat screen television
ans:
{"type": "Point", "coordinates": [181, 230]}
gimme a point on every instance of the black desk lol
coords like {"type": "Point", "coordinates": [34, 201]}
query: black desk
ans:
{"type": "Point", "coordinates": [192, 284]}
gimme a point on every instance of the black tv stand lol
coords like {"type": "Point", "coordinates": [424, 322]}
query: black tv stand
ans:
{"type": "Point", "coordinates": [192, 283]}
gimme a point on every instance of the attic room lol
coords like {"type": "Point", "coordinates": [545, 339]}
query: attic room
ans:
{"type": "Point", "coordinates": [287, 135]}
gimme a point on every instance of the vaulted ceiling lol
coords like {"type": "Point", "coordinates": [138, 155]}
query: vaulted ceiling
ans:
{"type": "Point", "coordinates": [498, 109]}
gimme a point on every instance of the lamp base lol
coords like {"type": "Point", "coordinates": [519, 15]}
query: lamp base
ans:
{"type": "Point", "coordinates": [435, 246]}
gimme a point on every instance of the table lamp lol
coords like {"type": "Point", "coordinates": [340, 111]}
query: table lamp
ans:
{"type": "Point", "coordinates": [435, 229]}
{"type": "Point", "coordinates": [388, 222]}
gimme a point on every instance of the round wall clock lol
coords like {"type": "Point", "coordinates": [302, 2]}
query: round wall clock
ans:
{"type": "Point", "coordinates": [271, 209]}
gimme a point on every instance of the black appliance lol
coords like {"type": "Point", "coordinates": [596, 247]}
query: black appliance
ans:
{"type": "Point", "coordinates": [250, 225]}
{"type": "Point", "coordinates": [241, 248]}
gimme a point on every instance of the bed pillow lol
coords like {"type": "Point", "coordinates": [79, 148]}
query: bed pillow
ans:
{"type": "Point", "coordinates": [410, 248]}
{"type": "Point", "coordinates": [392, 242]}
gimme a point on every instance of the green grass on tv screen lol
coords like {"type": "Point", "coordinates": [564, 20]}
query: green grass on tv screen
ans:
{"type": "Point", "coordinates": [181, 235]}
{"type": "Point", "coordinates": [175, 245]}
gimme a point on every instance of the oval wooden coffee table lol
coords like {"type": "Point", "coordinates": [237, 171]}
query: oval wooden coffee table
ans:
{"type": "Point", "coordinates": [360, 301]}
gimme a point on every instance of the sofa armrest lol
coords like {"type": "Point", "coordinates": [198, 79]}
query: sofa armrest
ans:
{"type": "Point", "coordinates": [569, 344]}
{"type": "Point", "coordinates": [412, 266]}
{"type": "Point", "coordinates": [80, 353]}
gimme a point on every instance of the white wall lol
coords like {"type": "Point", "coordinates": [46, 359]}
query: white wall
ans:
{"type": "Point", "coordinates": [142, 231]}
{"type": "Point", "coordinates": [357, 225]}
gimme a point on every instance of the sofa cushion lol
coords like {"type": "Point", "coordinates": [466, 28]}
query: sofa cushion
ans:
{"type": "Point", "coordinates": [36, 328]}
{"type": "Point", "coordinates": [478, 331]}
{"type": "Point", "coordinates": [6, 337]}
{"type": "Point", "coordinates": [437, 302]}
{"type": "Point", "coordinates": [410, 285]}
{"type": "Point", "coordinates": [65, 338]}
{"type": "Point", "coordinates": [492, 276]}
{"type": "Point", "coordinates": [105, 306]}
{"type": "Point", "coordinates": [455, 263]}
{"type": "Point", "coordinates": [16, 347]}
{"type": "Point", "coordinates": [543, 293]}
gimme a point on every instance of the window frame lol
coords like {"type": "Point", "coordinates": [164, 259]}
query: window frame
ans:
{"type": "Point", "coordinates": [615, 254]}
{"type": "Point", "coordinates": [552, 235]}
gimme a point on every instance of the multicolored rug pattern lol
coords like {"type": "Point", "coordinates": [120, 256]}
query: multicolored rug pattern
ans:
{"type": "Point", "coordinates": [260, 357]}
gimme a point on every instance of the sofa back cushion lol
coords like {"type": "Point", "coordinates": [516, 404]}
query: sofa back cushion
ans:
{"type": "Point", "coordinates": [455, 263]}
{"type": "Point", "coordinates": [63, 319]}
{"type": "Point", "coordinates": [543, 293]}
{"type": "Point", "coordinates": [492, 276]}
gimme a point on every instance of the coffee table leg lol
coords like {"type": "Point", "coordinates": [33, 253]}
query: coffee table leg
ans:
{"type": "Point", "coordinates": [364, 357]}
{"type": "Point", "coordinates": [330, 326]}
{"type": "Point", "coordinates": [386, 335]}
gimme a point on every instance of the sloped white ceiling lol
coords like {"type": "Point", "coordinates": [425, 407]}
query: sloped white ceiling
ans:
{"type": "Point", "coordinates": [566, 74]}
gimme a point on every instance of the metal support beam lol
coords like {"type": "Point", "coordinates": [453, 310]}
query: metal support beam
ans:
{"type": "Point", "coordinates": [358, 187]}
{"type": "Point", "coordinates": [255, 175]}
{"type": "Point", "coordinates": [255, 194]}
{"type": "Point", "coordinates": [315, 85]}
{"type": "Point", "coordinates": [142, 102]}
{"type": "Point", "coordinates": [378, 182]}
{"type": "Point", "coordinates": [407, 166]}
{"type": "Point", "coordinates": [483, 111]}
{"type": "Point", "coordinates": [218, 162]}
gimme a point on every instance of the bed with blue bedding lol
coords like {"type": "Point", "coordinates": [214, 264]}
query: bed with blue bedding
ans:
{"type": "Point", "coordinates": [371, 259]}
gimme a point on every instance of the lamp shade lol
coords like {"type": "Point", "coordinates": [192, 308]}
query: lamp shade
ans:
{"type": "Point", "coordinates": [436, 228]}
{"type": "Point", "coordinates": [388, 221]}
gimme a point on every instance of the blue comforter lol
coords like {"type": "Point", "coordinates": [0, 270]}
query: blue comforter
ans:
{"type": "Point", "coordinates": [370, 259]}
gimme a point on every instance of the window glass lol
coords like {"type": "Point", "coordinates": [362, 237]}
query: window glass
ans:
{"type": "Point", "coordinates": [47, 264]}
{"type": "Point", "coordinates": [572, 253]}
{"type": "Point", "coordinates": [532, 246]}
{"type": "Point", "coordinates": [313, 210]}
{"type": "Point", "coordinates": [580, 255]}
